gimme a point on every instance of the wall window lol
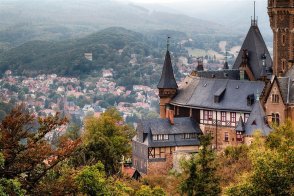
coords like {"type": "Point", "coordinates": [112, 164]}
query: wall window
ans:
{"type": "Point", "coordinates": [233, 117]}
{"type": "Point", "coordinates": [239, 136]}
{"type": "Point", "coordinates": [205, 114]}
{"type": "Point", "coordinates": [209, 115]}
{"type": "Point", "coordinates": [275, 98]}
{"type": "Point", "coordinates": [226, 136]}
{"type": "Point", "coordinates": [276, 118]}
{"type": "Point", "coordinates": [223, 116]}
{"type": "Point", "coordinates": [154, 137]}
{"type": "Point", "coordinates": [283, 39]}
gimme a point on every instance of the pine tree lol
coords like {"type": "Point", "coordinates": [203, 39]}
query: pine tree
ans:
{"type": "Point", "coordinates": [202, 178]}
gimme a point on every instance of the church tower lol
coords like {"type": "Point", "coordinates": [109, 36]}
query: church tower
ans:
{"type": "Point", "coordinates": [167, 85]}
{"type": "Point", "coordinates": [281, 13]}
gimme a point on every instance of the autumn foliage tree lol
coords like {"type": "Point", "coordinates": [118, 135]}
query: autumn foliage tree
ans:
{"type": "Point", "coordinates": [27, 154]}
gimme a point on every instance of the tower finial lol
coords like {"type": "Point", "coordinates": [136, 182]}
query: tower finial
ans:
{"type": "Point", "coordinates": [168, 43]}
{"type": "Point", "coordinates": [254, 21]}
{"type": "Point", "coordinates": [254, 11]}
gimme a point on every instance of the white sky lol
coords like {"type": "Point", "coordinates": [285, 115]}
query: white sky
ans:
{"type": "Point", "coordinates": [176, 1]}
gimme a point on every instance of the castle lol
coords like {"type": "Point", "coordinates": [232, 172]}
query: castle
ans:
{"type": "Point", "coordinates": [229, 104]}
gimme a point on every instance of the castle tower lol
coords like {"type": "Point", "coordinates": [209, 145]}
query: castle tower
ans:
{"type": "Point", "coordinates": [252, 51]}
{"type": "Point", "coordinates": [281, 13]}
{"type": "Point", "coordinates": [167, 85]}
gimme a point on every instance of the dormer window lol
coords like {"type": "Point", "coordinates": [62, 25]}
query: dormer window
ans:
{"type": "Point", "coordinates": [160, 137]}
{"type": "Point", "coordinates": [189, 136]}
{"type": "Point", "coordinates": [250, 99]}
{"type": "Point", "coordinates": [275, 98]}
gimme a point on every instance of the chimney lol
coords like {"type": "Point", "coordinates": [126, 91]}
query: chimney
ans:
{"type": "Point", "coordinates": [171, 117]}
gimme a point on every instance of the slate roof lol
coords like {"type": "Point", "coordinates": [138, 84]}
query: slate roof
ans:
{"type": "Point", "coordinates": [290, 75]}
{"type": "Point", "coordinates": [199, 93]}
{"type": "Point", "coordinates": [256, 48]}
{"type": "Point", "coordinates": [257, 121]}
{"type": "Point", "coordinates": [162, 126]}
{"type": "Point", "coordinates": [284, 87]}
{"type": "Point", "coordinates": [240, 126]}
{"type": "Point", "coordinates": [167, 79]}
{"type": "Point", "coordinates": [233, 74]}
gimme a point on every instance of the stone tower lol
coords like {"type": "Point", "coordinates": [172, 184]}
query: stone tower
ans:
{"type": "Point", "coordinates": [167, 85]}
{"type": "Point", "coordinates": [281, 13]}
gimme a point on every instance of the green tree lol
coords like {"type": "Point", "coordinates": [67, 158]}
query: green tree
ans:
{"type": "Point", "coordinates": [201, 169]}
{"type": "Point", "coordinates": [106, 139]}
{"type": "Point", "coordinates": [92, 180]}
{"type": "Point", "coordinates": [272, 165]}
{"type": "Point", "coordinates": [148, 191]}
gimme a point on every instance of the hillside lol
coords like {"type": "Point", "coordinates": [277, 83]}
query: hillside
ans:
{"type": "Point", "coordinates": [67, 57]}
{"type": "Point", "coordinates": [23, 21]}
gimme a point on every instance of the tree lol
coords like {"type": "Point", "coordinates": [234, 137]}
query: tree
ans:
{"type": "Point", "coordinates": [92, 180]}
{"type": "Point", "coordinates": [272, 165]}
{"type": "Point", "coordinates": [105, 139]}
{"type": "Point", "coordinates": [202, 178]}
{"type": "Point", "coordinates": [28, 155]}
{"type": "Point", "coordinates": [148, 191]}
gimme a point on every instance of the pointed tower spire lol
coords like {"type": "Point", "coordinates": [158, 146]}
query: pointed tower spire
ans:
{"type": "Point", "coordinates": [167, 79]}
{"type": "Point", "coordinates": [167, 85]}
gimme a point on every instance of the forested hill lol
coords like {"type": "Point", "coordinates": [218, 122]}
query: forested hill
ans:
{"type": "Point", "coordinates": [23, 21]}
{"type": "Point", "coordinates": [111, 48]}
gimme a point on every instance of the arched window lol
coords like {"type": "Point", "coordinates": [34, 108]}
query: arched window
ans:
{"type": "Point", "coordinates": [284, 64]}
{"type": "Point", "coordinates": [283, 39]}
{"type": "Point", "coordinates": [275, 98]}
{"type": "Point", "coordinates": [276, 118]}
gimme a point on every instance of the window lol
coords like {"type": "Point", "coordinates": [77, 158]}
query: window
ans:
{"type": "Point", "coordinates": [205, 115]}
{"type": "Point", "coordinates": [209, 115]}
{"type": "Point", "coordinates": [239, 136]}
{"type": "Point", "coordinates": [275, 98]}
{"type": "Point", "coordinates": [276, 118]}
{"type": "Point", "coordinates": [160, 137]}
{"type": "Point", "coordinates": [226, 136]}
{"type": "Point", "coordinates": [189, 136]}
{"type": "Point", "coordinates": [165, 137]}
{"type": "Point", "coordinates": [233, 117]}
{"type": "Point", "coordinates": [283, 39]}
{"type": "Point", "coordinates": [284, 64]}
{"type": "Point", "coordinates": [223, 116]}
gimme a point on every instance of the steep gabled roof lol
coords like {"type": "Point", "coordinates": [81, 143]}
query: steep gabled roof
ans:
{"type": "Point", "coordinates": [256, 48]}
{"type": "Point", "coordinates": [240, 126]}
{"type": "Point", "coordinates": [182, 125]}
{"type": "Point", "coordinates": [167, 79]}
{"type": "Point", "coordinates": [257, 121]}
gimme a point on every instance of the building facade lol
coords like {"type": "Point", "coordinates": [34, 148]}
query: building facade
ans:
{"type": "Point", "coordinates": [229, 104]}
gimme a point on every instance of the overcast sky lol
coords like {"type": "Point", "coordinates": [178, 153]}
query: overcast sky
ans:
{"type": "Point", "coordinates": [177, 1]}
